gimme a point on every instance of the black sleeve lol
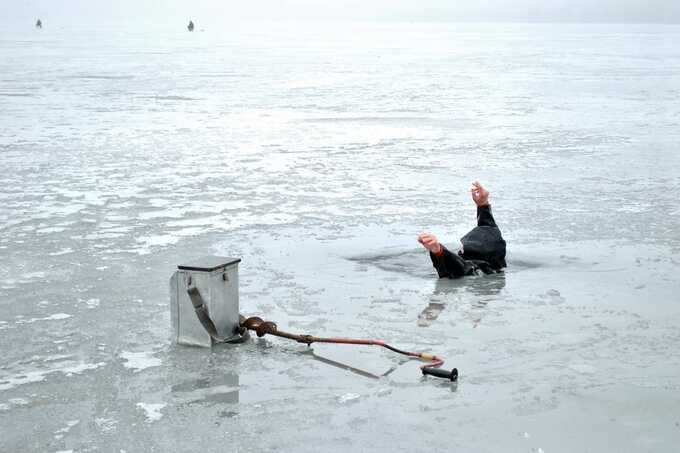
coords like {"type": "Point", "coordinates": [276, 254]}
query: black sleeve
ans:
{"type": "Point", "coordinates": [484, 216]}
{"type": "Point", "coordinates": [449, 264]}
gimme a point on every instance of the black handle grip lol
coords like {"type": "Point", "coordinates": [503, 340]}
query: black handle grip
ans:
{"type": "Point", "coordinates": [438, 372]}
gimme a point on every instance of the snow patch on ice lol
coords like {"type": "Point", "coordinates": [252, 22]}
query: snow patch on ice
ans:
{"type": "Point", "coordinates": [583, 368]}
{"type": "Point", "coordinates": [138, 361]}
{"type": "Point", "coordinates": [92, 303]}
{"type": "Point", "coordinates": [27, 377]}
{"type": "Point", "coordinates": [106, 425]}
{"type": "Point", "coordinates": [349, 398]}
{"type": "Point", "coordinates": [152, 410]}
{"type": "Point", "coordinates": [54, 317]}
{"type": "Point", "coordinates": [59, 434]}
{"type": "Point", "coordinates": [64, 251]}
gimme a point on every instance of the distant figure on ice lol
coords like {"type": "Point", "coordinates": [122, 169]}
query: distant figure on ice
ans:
{"type": "Point", "coordinates": [190, 27]}
{"type": "Point", "coordinates": [483, 248]}
{"type": "Point", "coordinates": [38, 24]}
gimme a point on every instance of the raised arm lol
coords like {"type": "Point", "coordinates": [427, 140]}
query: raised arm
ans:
{"type": "Point", "coordinates": [484, 216]}
{"type": "Point", "coordinates": [481, 198]}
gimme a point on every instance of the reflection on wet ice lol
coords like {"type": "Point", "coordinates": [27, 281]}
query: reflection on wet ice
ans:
{"type": "Point", "coordinates": [221, 389]}
{"type": "Point", "coordinates": [485, 287]}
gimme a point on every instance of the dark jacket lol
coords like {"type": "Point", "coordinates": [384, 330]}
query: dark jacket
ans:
{"type": "Point", "coordinates": [483, 250]}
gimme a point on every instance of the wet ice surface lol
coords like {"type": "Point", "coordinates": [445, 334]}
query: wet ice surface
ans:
{"type": "Point", "coordinates": [317, 157]}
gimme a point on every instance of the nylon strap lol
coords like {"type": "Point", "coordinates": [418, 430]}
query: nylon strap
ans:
{"type": "Point", "coordinates": [204, 317]}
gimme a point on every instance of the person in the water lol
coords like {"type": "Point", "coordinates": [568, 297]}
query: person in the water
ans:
{"type": "Point", "coordinates": [482, 250]}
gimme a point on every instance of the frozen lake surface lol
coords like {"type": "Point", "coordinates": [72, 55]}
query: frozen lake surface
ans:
{"type": "Point", "coordinates": [317, 155]}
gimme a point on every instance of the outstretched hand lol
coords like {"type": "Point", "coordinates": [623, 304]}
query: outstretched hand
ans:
{"type": "Point", "coordinates": [430, 242]}
{"type": "Point", "coordinates": [479, 194]}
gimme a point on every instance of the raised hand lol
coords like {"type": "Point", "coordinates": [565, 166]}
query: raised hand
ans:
{"type": "Point", "coordinates": [479, 194]}
{"type": "Point", "coordinates": [430, 242]}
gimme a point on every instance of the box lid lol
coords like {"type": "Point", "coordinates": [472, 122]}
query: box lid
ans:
{"type": "Point", "coordinates": [209, 263]}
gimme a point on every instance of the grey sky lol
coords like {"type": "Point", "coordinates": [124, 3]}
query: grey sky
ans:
{"type": "Point", "coordinates": [398, 10]}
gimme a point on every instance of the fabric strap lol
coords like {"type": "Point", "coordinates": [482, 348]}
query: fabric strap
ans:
{"type": "Point", "coordinates": [204, 317]}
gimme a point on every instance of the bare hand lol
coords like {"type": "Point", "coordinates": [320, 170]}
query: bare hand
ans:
{"type": "Point", "coordinates": [479, 194]}
{"type": "Point", "coordinates": [430, 242]}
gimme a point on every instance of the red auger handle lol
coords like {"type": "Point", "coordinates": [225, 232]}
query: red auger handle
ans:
{"type": "Point", "coordinates": [438, 372]}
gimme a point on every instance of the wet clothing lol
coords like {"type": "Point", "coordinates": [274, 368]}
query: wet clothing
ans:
{"type": "Point", "coordinates": [483, 250]}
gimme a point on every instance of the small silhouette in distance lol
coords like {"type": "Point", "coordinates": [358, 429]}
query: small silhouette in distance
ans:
{"type": "Point", "coordinates": [190, 27]}
{"type": "Point", "coordinates": [38, 24]}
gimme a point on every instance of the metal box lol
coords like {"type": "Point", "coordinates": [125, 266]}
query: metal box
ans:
{"type": "Point", "coordinates": [216, 279]}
